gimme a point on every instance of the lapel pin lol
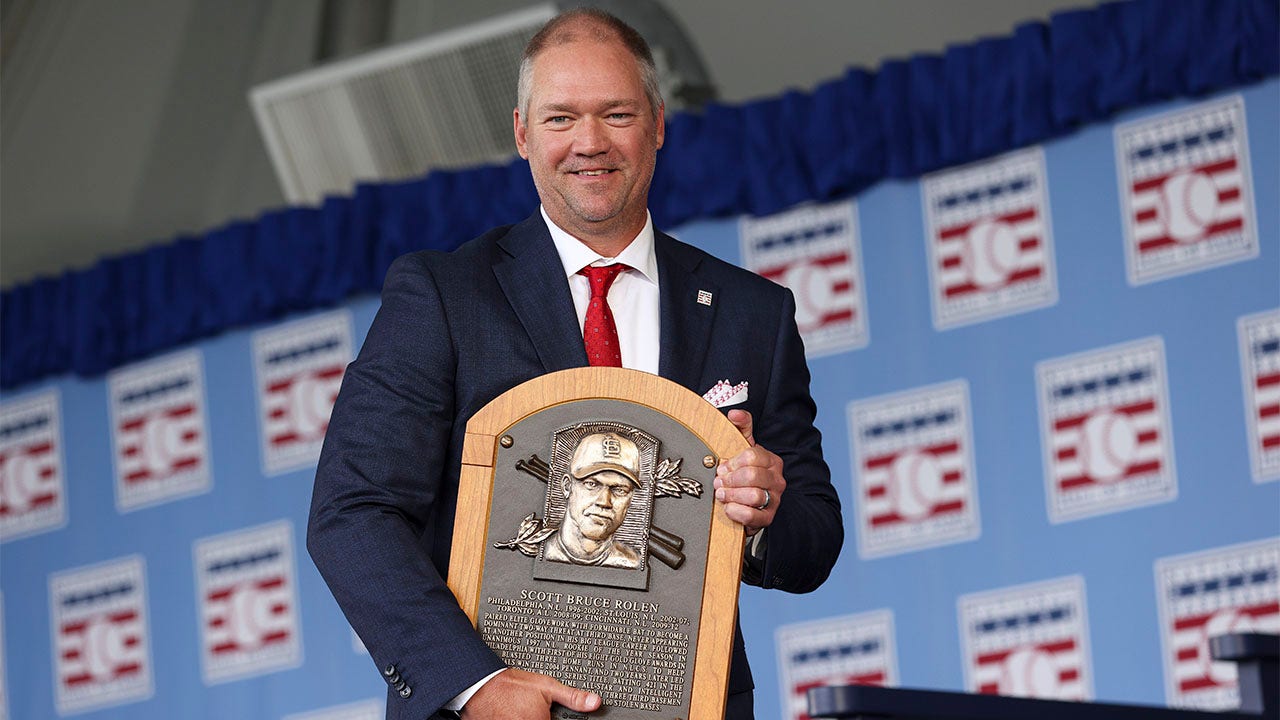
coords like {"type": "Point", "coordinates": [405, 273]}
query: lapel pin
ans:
{"type": "Point", "coordinates": [704, 298]}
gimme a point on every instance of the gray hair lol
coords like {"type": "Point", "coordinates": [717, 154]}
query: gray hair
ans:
{"type": "Point", "coordinates": [587, 24]}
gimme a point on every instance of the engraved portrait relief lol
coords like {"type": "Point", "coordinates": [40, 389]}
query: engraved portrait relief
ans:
{"type": "Point", "coordinates": [603, 476]}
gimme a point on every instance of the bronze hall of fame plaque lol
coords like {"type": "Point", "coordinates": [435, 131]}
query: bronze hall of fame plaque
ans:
{"type": "Point", "coordinates": [588, 545]}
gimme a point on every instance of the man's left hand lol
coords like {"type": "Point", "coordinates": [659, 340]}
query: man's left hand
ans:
{"type": "Point", "coordinates": [750, 484]}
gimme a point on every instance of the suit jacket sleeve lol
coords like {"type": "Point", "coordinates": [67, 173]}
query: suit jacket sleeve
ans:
{"type": "Point", "coordinates": [802, 544]}
{"type": "Point", "coordinates": [385, 484]}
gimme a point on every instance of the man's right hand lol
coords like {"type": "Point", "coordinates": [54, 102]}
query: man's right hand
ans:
{"type": "Point", "coordinates": [515, 694]}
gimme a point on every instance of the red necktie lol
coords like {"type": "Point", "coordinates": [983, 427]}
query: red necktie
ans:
{"type": "Point", "coordinates": [599, 333]}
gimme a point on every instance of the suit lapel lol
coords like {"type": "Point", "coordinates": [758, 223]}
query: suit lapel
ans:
{"type": "Point", "coordinates": [532, 277]}
{"type": "Point", "coordinates": [686, 323]}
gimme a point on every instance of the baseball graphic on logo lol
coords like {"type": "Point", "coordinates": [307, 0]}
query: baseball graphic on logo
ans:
{"type": "Point", "coordinates": [917, 484]}
{"type": "Point", "coordinates": [1108, 446]}
{"type": "Point", "coordinates": [813, 291]}
{"type": "Point", "coordinates": [1030, 672]}
{"type": "Point", "coordinates": [991, 253]}
{"type": "Point", "coordinates": [1188, 203]}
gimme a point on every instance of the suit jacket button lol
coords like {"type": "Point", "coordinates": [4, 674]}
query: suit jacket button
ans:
{"type": "Point", "coordinates": [389, 670]}
{"type": "Point", "coordinates": [406, 691]}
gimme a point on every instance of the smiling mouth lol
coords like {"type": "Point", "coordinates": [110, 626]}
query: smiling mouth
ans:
{"type": "Point", "coordinates": [591, 173]}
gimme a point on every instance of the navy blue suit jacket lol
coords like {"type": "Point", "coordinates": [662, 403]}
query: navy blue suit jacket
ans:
{"type": "Point", "coordinates": [454, 331]}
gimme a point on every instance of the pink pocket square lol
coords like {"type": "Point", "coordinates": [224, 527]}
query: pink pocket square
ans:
{"type": "Point", "coordinates": [725, 394]}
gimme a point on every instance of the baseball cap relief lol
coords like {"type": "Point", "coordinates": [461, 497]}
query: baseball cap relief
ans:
{"type": "Point", "coordinates": [606, 451]}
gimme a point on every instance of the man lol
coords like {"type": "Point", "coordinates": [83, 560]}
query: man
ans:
{"type": "Point", "coordinates": [604, 473]}
{"type": "Point", "coordinates": [457, 329]}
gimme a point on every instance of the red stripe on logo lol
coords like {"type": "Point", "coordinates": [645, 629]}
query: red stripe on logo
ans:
{"type": "Point", "coordinates": [1145, 215]}
{"type": "Point", "coordinates": [1191, 621]}
{"type": "Point", "coordinates": [1268, 380]}
{"type": "Point", "coordinates": [1147, 436]}
{"type": "Point", "coordinates": [989, 689]}
{"type": "Point", "coordinates": [1074, 482]}
{"type": "Point", "coordinates": [218, 595]}
{"type": "Point", "coordinates": [1069, 675]}
{"type": "Point", "coordinates": [1210, 169]}
{"type": "Point", "coordinates": [1142, 468]}
{"type": "Point", "coordinates": [880, 461]}
{"type": "Point", "coordinates": [280, 385]}
{"type": "Point", "coordinates": [330, 373]}
{"type": "Point", "coordinates": [270, 583]}
{"type": "Point", "coordinates": [181, 411]}
{"type": "Point", "coordinates": [1156, 244]}
{"type": "Point", "coordinates": [186, 463]}
{"type": "Point", "coordinates": [129, 669]}
{"type": "Point", "coordinates": [1190, 653]}
{"type": "Point", "coordinates": [1145, 406]}
{"type": "Point", "coordinates": [1024, 275]}
{"type": "Point", "coordinates": [1192, 684]}
{"type": "Point", "coordinates": [877, 491]}
{"type": "Point", "coordinates": [952, 476]}
{"type": "Point", "coordinates": [963, 289]}
{"type": "Point", "coordinates": [285, 438]}
{"type": "Point", "coordinates": [1228, 194]}
{"type": "Point", "coordinates": [885, 519]}
{"type": "Point", "coordinates": [39, 448]}
{"type": "Point", "coordinates": [947, 507]}
{"type": "Point", "coordinates": [1067, 453]}
{"type": "Point", "coordinates": [1059, 646]}
{"type": "Point", "coordinates": [137, 476]}
{"type": "Point", "coordinates": [1028, 244]}
{"type": "Point", "coordinates": [1270, 442]}
{"type": "Point", "coordinates": [80, 679]}
{"type": "Point", "coordinates": [943, 448]}
{"type": "Point", "coordinates": [134, 424]}
{"type": "Point", "coordinates": [1269, 411]}
{"type": "Point", "coordinates": [275, 637]}
{"type": "Point", "coordinates": [1070, 422]}
{"type": "Point", "coordinates": [124, 616]}
{"type": "Point", "coordinates": [993, 657]}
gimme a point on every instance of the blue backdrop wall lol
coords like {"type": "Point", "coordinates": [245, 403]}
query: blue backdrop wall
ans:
{"type": "Point", "coordinates": [1048, 384]}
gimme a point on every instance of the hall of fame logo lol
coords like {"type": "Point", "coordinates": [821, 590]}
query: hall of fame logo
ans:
{"type": "Point", "coordinates": [1202, 595]}
{"type": "Point", "coordinates": [161, 437]}
{"type": "Point", "coordinates": [814, 251]}
{"type": "Point", "coordinates": [850, 650]}
{"type": "Point", "coordinates": [1260, 369]}
{"type": "Point", "coordinates": [248, 601]}
{"type": "Point", "coordinates": [1105, 430]}
{"type": "Point", "coordinates": [1186, 191]}
{"type": "Point", "coordinates": [990, 239]}
{"type": "Point", "coordinates": [101, 652]}
{"type": "Point", "coordinates": [299, 367]}
{"type": "Point", "coordinates": [365, 710]}
{"type": "Point", "coordinates": [32, 485]}
{"type": "Point", "coordinates": [1028, 641]}
{"type": "Point", "coordinates": [915, 481]}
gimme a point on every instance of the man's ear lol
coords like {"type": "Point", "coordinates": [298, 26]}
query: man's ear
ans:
{"type": "Point", "coordinates": [662, 124]}
{"type": "Point", "coordinates": [519, 131]}
{"type": "Point", "coordinates": [565, 482]}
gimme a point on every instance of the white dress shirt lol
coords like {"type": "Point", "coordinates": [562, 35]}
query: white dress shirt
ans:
{"type": "Point", "coordinates": [633, 297]}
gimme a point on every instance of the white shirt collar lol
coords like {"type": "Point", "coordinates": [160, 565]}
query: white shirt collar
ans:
{"type": "Point", "coordinates": [575, 255]}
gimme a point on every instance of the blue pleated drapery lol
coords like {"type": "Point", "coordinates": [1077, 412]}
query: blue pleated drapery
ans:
{"type": "Point", "coordinates": [910, 117]}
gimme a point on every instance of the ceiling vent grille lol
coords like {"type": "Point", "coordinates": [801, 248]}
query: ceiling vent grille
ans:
{"type": "Point", "coordinates": [440, 102]}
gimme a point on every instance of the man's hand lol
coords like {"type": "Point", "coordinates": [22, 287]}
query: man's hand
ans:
{"type": "Point", "coordinates": [515, 694]}
{"type": "Point", "coordinates": [750, 484]}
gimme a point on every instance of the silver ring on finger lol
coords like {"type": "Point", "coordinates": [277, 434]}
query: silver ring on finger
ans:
{"type": "Point", "coordinates": [767, 499]}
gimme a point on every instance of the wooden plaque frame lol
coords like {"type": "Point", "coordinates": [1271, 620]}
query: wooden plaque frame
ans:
{"type": "Point", "coordinates": [724, 559]}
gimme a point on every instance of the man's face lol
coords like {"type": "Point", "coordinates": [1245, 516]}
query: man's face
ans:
{"type": "Point", "coordinates": [591, 138]}
{"type": "Point", "coordinates": [598, 503]}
